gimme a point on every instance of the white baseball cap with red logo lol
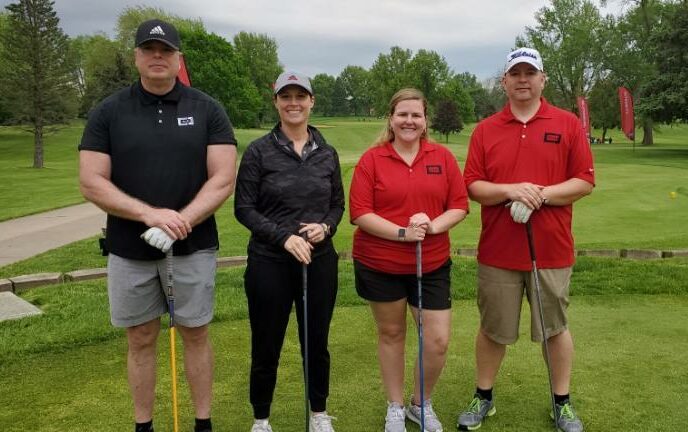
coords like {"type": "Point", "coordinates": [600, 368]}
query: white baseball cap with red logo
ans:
{"type": "Point", "coordinates": [292, 78]}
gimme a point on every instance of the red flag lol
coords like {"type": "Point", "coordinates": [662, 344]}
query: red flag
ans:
{"type": "Point", "coordinates": [627, 115]}
{"type": "Point", "coordinates": [584, 114]}
{"type": "Point", "coordinates": [183, 74]}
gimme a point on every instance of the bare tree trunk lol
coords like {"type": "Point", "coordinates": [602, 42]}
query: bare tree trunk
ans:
{"type": "Point", "coordinates": [647, 132]}
{"type": "Point", "coordinates": [604, 134]}
{"type": "Point", "coordinates": [38, 145]}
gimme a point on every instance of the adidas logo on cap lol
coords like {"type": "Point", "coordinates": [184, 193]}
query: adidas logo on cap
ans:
{"type": "Point", "coordinates": [157, 30]}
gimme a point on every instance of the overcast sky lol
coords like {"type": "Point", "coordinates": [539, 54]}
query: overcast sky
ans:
{"type": "Point", "coordinates": [316, 36]}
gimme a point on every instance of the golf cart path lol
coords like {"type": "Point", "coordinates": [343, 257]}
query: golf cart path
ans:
{"type": "Point", "coordinates": [27, 236]}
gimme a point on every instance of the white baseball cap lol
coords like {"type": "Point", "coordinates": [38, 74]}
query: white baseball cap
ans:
{"type": "Point", "coordinates": [524, 55]}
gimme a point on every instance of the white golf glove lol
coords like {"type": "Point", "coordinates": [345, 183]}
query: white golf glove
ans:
{"type": "Point", "coordinates": [157, 238]}
{"type": "Point", "coordinates": [520, 212]}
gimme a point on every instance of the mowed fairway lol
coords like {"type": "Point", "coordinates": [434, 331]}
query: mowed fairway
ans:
{"type": "Point", "coordinates": [631, 206]}
{"type": "Point", "coordinates": [65, 370]}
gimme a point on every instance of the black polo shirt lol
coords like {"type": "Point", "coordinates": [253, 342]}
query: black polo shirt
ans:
{"type": "Point", "coordinates": [158, 148]}
{"type": "Point", "coordinates": [277, 190]}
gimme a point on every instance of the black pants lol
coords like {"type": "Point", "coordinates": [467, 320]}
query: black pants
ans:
{"type": "Point", "coordinates": [272, 287]}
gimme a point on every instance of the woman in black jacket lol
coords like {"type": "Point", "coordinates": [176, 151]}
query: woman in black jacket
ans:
{"type": "Point", "coordinates": [289, 194]}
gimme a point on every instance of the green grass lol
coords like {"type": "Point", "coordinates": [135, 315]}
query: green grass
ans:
{"type": "Point", "coordinates": [629, 208]}
{"type": "Point", "coordinates": [65, 370]}
{"type": "Point", "coordinates": [69, 364]}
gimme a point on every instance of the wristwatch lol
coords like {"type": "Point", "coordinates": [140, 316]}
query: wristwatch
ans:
{"type": "Point", "coordinates": [326, 228]}
{"type": "Point", "coordinates": [402, 234]}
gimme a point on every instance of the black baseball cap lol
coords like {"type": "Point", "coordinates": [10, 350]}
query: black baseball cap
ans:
{"type": "Point", "coordinates": [158, 30]}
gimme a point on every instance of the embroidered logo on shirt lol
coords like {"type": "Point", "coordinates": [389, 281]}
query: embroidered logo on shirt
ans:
{"type": "Point", "coordinates": [552, 138]}
{"type": "Point", "coordinates": [433, 169]}
{"type": "Point", "coordinates": [185, 121]}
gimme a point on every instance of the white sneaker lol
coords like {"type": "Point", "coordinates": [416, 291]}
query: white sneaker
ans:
{"type": "Point", "coordinates": [395, 421]}
{"type": "Point", "coordinates": [321, 422]}
{"type": "Point", "coordinates": [432, 423]}
{"type": "Point", "coordinates": [261, 426]}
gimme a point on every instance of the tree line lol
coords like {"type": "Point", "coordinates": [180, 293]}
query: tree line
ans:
{"type": "Point", "coordinates": [47, 78]}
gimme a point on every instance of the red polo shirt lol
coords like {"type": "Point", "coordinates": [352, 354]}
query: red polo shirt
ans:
{"type": "Point", "coordinates": [385, 185]}
{"type": "Point", "coordinates": [548, 149]}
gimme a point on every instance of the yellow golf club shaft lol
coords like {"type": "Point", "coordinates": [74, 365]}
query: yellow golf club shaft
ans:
{"type": "Point", "coordinates": [173, 361]}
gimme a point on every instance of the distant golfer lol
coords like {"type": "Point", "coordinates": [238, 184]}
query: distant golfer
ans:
{"type": "Point", "coordinates": [290, 196]}
{"type": "Point", "coordinates": [160, 158]}
{"type": "Point", "coordinates": [406, 189]}
{"type": "Point", "coordinates": [536, 157]}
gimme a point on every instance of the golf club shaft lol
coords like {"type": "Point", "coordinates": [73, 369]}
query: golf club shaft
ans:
{"type": "Point", "coordinates": [421, 370]}
{"type": "Point", "coordinates": [538, 294]}
{"type": "Point", "coordinates": [304, 275]}
{"type": "Point", "coordinates": [173, 352]}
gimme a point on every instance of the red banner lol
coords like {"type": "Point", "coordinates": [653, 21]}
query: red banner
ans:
{"type": "Point", "coordinates": [584, 114]}
{"type": "Point", "coordinates": [183, 74]}
{"type": "Point", "coordinates": [627, 115]}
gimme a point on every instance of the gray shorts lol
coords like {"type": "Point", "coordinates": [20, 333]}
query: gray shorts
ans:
{"type": "Point", "coordinates": [500, 293]}
{"type": "Point", "coordinates": [138, 289]}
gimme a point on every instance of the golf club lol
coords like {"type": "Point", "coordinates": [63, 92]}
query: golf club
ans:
{"type": "Point", "coordinates": [304, 277]}
{"type": "Point", "coordinates": [173, 355]}
{"type": "Point", "coordinates": [545, 347]}
{"type": "Point", "coordinates": [421, 371]}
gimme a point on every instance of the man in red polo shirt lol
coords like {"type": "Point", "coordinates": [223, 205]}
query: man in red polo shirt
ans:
{"type": "Point", "coordinates": [536, 157]}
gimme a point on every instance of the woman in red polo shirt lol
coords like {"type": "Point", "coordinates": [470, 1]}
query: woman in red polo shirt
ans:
{"type": "Point", "coordinates": [406, 189]}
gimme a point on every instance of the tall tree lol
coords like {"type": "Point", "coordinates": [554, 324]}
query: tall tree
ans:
{"type": "Point", "coordinates": [339, 102]}
{"type": "Point", "coordinates": [4, 102]}
{"type": "Point", "coordinates": [38, 76]}
{"type": "Point", "coordinates": [323, 88]}
{"type": "Point", "coordinates": [667, 92]}
{"type": "Point", "coordinates": [387, 76]}
{"type": "Point", "coordinates": [629, 56]}
{"type": "Point", "coordinates": [259, 53]}
{"type": "Point", "coordinates": [455, 91]}
{"type": "Point", "coordinates": [485, 104]}
{"type": "Point", "coordinates": [355, 81]}
{"type": "Point", "coordinates": [604, 106]}
{"type": "Point", "coordinates": [131, 17]}
{"type": "Point", "coordinates": [568, 35]}
{"type": "Point", "coordinates": [428, 72]}
{"type": "Point", "coordinates": [103, 66]}
{"type": "Point", "coordinates": [447, 119]}
{"type": "Point", "coordinates": [217, 70]}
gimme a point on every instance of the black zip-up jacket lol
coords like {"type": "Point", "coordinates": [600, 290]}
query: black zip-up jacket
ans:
{"type": "Point", "coordinates": [276, 191]}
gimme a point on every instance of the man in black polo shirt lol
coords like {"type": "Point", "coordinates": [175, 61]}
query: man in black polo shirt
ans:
{"type": "Point", "coordinates": [160, 158]}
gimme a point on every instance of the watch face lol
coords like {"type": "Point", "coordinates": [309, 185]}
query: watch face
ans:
{"type": "Point", "coordinates": [402, 233]}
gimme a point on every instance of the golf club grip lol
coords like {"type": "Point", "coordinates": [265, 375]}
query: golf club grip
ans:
{"type": "Point", "coordinates": [529, 232]}
{"type": "Point", "coordinates": [169, 257]}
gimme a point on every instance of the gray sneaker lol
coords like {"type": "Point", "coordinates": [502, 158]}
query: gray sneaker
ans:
{"type": "Point", "coordinates": [321, 422]}
{"type": "Point", "coordinates": [395, 421]}
{"type": "Point", "coordinates": [567, 419]}
{"type": "Point", "coordinates": [261, 426]}
{"type": "Point", "coordinates": [472, 418]}
{"type": "Point", "coordinates": [432, 423]}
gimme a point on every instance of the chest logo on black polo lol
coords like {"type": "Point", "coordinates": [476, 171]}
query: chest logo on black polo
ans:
{"type": "Point", "coordinates": [552, 138]}
{"type": "Point", "coordinates": [433, 169]}
{"type": "Point", "coordinates": [185, 121]}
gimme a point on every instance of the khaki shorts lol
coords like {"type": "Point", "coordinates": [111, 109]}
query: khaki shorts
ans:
{"type": "Point", "coordinates": [500, 294]}
{"type": "Point", "coordinates": [138, 289]}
